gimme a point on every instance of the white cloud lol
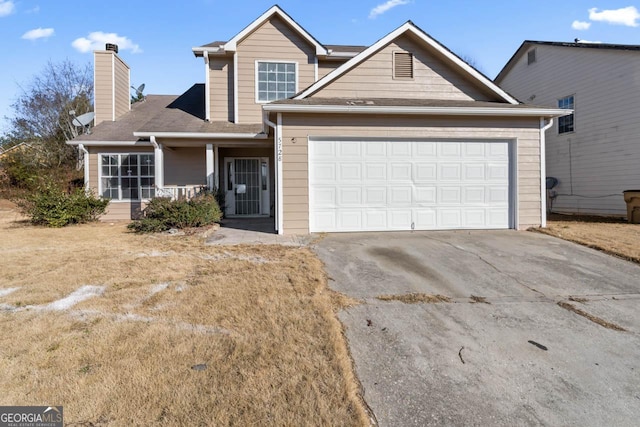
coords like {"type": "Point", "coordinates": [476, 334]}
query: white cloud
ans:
{"type": "Point", "coordinates": [7, 8]}
{"type": "Point", "coordinates": [33, 10]}
{"type": "Point", "coordinates": [384, 7]}
{"type": "Point", "coordinates": [588, 41]}
{"type": "Point", "coordinates": [625, 16]}
{"type": "Point", "coordinates": [580, 25]}
{"type": "Point", "coordinates": [38, 33]}
{"type": "Point", "coordinates": [97, 39]}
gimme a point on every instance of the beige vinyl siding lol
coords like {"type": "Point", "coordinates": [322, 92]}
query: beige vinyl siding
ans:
{"type": "Point", "coordinates": [433, 79]}
{"type": "Point", "coordinates": [298, 127]}
{"type": "Point", "coordinates": [185, 166]}
{"type": "Point", "coordinates": [221, 88]}
{"type": "Point", "coordinates": [600, 158]}
{"type": "Point", "coordinates": [325, 67]}
{"type": "Point", "coordinates": [110, 72]}
{"type": "Point", "coordinates": [103, 86]}
{"type": "Point", "coordinates": [272, 41]}
{"type": "Point", "coordinates": [116, 210]}
{"type": "Point", "coordinates": [122, 85]}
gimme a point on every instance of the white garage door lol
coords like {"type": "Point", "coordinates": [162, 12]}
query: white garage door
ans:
{"type": "Point", "coordinates": [373, 185]}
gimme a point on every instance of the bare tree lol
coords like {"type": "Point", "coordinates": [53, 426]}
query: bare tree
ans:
{"type": "Point", "coordinates": [41, 112]}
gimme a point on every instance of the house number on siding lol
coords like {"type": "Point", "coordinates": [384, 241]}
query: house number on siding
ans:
{"type": "Point", "coordinates": [279, 148]}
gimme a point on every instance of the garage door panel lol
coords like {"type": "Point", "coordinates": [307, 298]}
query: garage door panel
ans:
{"type": "Point", "coordinates": [400, 171]}
{"type": "Point", "coordinates": [350, 196]}
{"type": "Point", "coordinates": [449, 172]}
{"type": "Point", "coordinates": [375, 172]}
{"type": "Point", "coordinates": [400, 149]}
{"type": "Point", "coordinates": [402, 185]}
{"type": "Point", "coordinates": [349, 172]}
{"type": "Point", "coordinates": [399, 195]}
{"type": "Point", "coordinates": [349, 149]}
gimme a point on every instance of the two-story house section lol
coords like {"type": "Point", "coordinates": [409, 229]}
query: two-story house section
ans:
{"type": "Point", "coordinates": [594, 153]}
{"type": "Point", "coordinates": [399, 135]}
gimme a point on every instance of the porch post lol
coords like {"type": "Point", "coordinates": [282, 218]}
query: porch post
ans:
{"type": "Point", "coordinates": [210, 167]}
{"type": "Point", "coordinates": [216, 168]}
{"type": "Point", "coordinates": [159, 163]}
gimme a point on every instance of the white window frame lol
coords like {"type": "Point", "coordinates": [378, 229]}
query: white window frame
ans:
{"type": "Point", "coordinates": [273, 61]}
{"type": "Point", "coordinates": [120, 198]}
{"type": "Point", "coordinates": [573, 114]}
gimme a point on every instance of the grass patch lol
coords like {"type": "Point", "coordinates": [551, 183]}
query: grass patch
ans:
{"type": "Point", "coordinates": [415, 298]}
{"type": "Point", "coordinates": [610, 235]}
{"type": "Point", "coordinates": [266, 332]}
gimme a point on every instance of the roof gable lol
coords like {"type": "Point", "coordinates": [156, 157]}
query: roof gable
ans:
{"type": "Point", "coordinates": [524, 47]}
{"type": "Point", "coordinates": [232, 44]}
{"type": "Point", "coordinates": [409, 28]}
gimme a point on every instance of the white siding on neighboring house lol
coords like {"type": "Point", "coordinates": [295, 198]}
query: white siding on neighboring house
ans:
{"type": "Point", "coordinates": [601, 158]}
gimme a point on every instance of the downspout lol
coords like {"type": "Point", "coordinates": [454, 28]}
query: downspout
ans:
{"type": "Point", "coordinates": [207, 84]}
{"type": "Point", "coordinates": [159, 162]}
{"type": "Point", "coordinates": [276, 138]}
{"type": "Point", "coordinates": [543, 170]}
{"type": "Point", "coordinates": [85, 158]}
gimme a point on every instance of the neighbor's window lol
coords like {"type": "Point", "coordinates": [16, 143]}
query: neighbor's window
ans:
{"type": "Point", "coordinates": [565, 124]}
{"type": "Point", "coordinates": [127, 176]}
{"type": "Point", "coordinates": [275, 80]}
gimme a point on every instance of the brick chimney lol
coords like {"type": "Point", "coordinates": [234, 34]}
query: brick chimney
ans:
{"type": "Point", "coordinates": [111, 80]}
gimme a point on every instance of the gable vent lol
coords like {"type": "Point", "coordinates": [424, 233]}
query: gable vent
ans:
{"type": "Point", "coordinates": [531, 56]}
{"type": "Point", "coordinates": [402, 65]}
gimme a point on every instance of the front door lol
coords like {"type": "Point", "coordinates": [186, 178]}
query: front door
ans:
{"type": "Point", "coordinates": [247, 186]}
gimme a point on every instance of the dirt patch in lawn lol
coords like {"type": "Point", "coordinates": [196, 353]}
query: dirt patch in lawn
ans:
{"type": "Point", "coordinates": [610, 235]}
{"type": "Point", "coordinates": [161, 330]}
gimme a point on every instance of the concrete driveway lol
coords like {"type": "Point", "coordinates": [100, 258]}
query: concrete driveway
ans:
{"type": "Point", "coordinates": [502, 352]}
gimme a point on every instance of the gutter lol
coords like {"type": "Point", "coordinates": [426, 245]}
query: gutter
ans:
{"type": "Point", "coordinates": [442, 111]}
{"type": "Point", "coordinates": [214, 135]}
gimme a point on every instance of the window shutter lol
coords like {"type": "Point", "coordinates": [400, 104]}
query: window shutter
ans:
{"type": "Point", "coordinates": [402, 65]}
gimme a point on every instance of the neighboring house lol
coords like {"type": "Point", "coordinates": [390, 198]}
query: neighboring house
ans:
{"type": "Point", "coordinates": [594, 152]}
{"type": "Point", "coordinates": [400, 135]}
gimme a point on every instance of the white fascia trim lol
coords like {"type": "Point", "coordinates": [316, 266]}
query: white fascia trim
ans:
{"type": "Point", "coordinates": [232, 44]}
{"type": "Point", "coordinates": [408, 26]}
{"type": "Point", "coordinates": [236, 110]}
{"type": "Point", "coordinates": [109, 143]}
{"type": "Point", "coordinates": [204, 50]}
{"type": "Point", "coordinates": [216, 135]}
{"type": "Point", "coordinates": [207, 93]}
{"type": "Point", "coordinates": [445, 111]}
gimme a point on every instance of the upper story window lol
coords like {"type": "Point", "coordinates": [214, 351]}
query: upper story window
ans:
{"type": "Point", "coordinates": [566, 123]}
{"type": "Point", "coordinates": [275, 80]}
{"type": "Point", "coordinates": [402, 65]}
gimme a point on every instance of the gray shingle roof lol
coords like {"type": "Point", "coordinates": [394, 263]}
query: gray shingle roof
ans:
{"type": "Point", "coordinates": [165, 113]}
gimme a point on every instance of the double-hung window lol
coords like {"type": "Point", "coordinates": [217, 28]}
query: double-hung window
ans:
{"type": "Point", "coordinates": [566, 123]}
{"type": "Point", "coordinates": [127, 176]}
{"type": "Point", "coordinates": [275, 80]}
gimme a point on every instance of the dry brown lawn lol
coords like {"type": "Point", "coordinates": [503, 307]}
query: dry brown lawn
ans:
{"type": "Point", "coordinates": [613, 236]}
{"type": "Point", "coordinates": [160, 330]}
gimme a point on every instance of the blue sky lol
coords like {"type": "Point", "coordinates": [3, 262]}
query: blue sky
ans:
{"type": "Point", "coordinates": [155, 38]}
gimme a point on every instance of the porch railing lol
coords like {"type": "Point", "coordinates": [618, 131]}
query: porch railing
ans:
{"type": "Point", "coordinates": [179, 192]}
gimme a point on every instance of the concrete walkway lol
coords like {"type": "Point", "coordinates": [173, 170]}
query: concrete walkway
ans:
{"type": "Point", "coordinates": [253, 231]}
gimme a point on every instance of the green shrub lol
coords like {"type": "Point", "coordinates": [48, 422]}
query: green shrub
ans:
{"type": "Point", "coordinates": [162, 214]}
{"type": "Point", "coordinates": [51, 206]}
